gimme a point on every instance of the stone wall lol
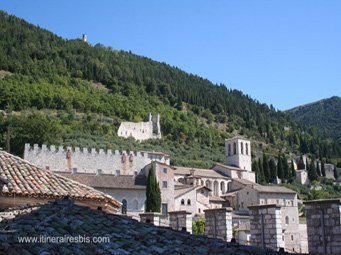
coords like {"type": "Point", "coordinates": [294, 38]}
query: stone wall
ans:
{"type": "Point", "coordinates": [141, 130]}
{"type": "Point", "coordinates": [151, 218]}
{"type": "Point", "coordinates": [219, 223]}
{"type": "Point", "coordinates": [324, 226]}
{"type": "Point", "coordinates": [266, 226]}
{"type": "Point", "coordinates": [90, 161]}
{"type": "Point", "coordinates": [181, 221]}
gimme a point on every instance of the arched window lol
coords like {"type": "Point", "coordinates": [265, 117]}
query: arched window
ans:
{"type": "Point", "coordinates": [247, 148]}
{"type": "Point", "coordinates": [234, 148]}
{"type": "Point", "coordinates": [241, 148]}
{"type": "Point", "coordinates": [229, 150]}
{"type": "Point", "coordinates": [286, 220]}
{"type": "Point", "coordinates": [135, 205]}
{"type": "Point", "coordinates": [182, 202]}
{"type": "Point", "coordinates": [188, 202]}
{"type": "Point", "coordinates": [216, 188]}
{"type": "Point", "coordinates": [202, 183]}
{"type": "Point", "coordinates": [222, 187]}
{"type": "Point", "coordinates": [124, 206]}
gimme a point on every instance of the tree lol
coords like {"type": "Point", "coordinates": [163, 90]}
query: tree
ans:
{"type": "Point", "coordinates": [312, 174]}
{"type": "Point", "coordinates": [318, 171]}
{"type": "Point", "coordinates": [285, 168]}
{"type": "Point", "coordinates": [261, 171]}
{"type": "Point", "coordinates": [256, 170]}
{"type": "Point", "coordinates": [323, 169]}
{"type": "Point", "coordinates": [293, 172]}
{"type": "Point", "coordinates": [153, 192]}
{"type": "Point", "coordinates": [280, 168]}
{"type": "Point", "coordinates": [301, 164]}
{"type": "Point", "coordinates": [336, 176]}
{"type": "Point", "coordinates": [198, 227]}
{"type": "Point", "coordinates": [266, 168]}
{"type": "Point", "coordinates": [272, 170]}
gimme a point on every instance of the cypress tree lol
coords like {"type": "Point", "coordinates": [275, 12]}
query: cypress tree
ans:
{"type": "Point", "coordinates": [280, 168]}
{"type": "Point", "coordinates": [153, 192]}
{"type": "Point", "coordinates": [301, 164]}
{"type": "Point", "coordinates": [318, 172]}
{"type": "Point", "coordinates": [273, 170]}
{"type": "Point", "coordinates": [256, 170]}
{"type": "Point", "coordinates": [336, 176]}
{"type": "Point", "coordinates": [266, 168]}
{"type": "Point", "coordinates": [323, 169]}
{"type": "Point", "coordinates": [285, 168]}
{"type": "Point", "coordinates": [261, 171]}
{"type": "Point", "coordinates": [293, 172]}
{"type": "Point", "coordinates": [312, 174]}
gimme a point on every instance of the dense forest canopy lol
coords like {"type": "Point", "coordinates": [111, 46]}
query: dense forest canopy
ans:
{"type": "Point", "coordinates": [72, 93]}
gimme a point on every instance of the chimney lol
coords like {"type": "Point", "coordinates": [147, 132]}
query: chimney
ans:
{"type": "Point", "coordinates": [192, 171]}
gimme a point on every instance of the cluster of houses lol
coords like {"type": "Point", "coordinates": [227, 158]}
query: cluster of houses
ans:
{"type": "Point", "coordinates": [115, 182]}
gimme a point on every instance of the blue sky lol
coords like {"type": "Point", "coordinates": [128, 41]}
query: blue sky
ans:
{"type": "Point", "coordinates": [284, 53]}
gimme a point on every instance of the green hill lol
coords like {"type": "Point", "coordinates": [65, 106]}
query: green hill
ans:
{"type": "Point", "coordinates": [69, 92]}
{"type": "Point", "coordinates": [322, 117]}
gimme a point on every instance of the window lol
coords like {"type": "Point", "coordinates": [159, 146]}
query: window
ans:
{"type": "Point", "coordinates": [234, 149]}
{"type": "Point", "coordinates": [199, 210]}
{"type": "Point", "coordinates": [131, 158]}
{"type": "Point", "coordinates": [135, 172]}
{"type": "Point", "coordinates": [188, 202]}
{"type": "Point", "coordinates": [124, 206]}
{"type": "Point", "coordinates": [165, 170]}
{"type": "Point", "coordinates": [118, 172]}
{"type": "Point", "coordinates": [99, 172]}
{"type": "Point", "coordinates": [47, 168]}
{"type": "Point", "coordinates": [241, 148]}
{"type": "Point", "coordinates": [286, 220]}
{"type": "Point", "coordinates": [74, 170]}
{"type": "Point", "coordinates": [229, 150]}
{"type": "Point", "coordinates": [164, 209]}
{"type": "Point", "coordinates": [182, 202]}
{"type": "Point", "coordinates": [292, 238]}
{"type": "Point", "coordinates": [164, 184]}
{"type": "Point", "coordinates": [247, 148]}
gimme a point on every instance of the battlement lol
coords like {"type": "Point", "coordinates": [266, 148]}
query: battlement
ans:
{"type": "Point", "coordinates": [77, 150]}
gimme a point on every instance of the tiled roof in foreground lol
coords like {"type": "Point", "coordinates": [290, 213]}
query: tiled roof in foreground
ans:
{"type": "Point", "coordinates": [126, 236]}
{"type": "Point", "coordinates": [27, 180]}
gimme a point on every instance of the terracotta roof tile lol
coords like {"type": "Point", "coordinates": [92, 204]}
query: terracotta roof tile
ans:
{"type": "Point", "coordinates": [26, 179]}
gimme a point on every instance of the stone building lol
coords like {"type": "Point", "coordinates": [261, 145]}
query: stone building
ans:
{"type": "Point", "coordinates": [238, 152]}
{"type": "Point", "coordinates": [324, 226]}
{"type": "Point", "coordinates": [23, 183]}
{"type": "Point", "coordinates": [78, 160]}
{"type": "Point", "coordinates": [141, 130]}
{"type": "Point", "coordinates": [131, 190]}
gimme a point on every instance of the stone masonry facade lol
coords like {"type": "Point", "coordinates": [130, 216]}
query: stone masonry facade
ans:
{"type": "Point", "coordinates": [141, 130]}
{"type": "Point", "coordinates": [116, 162]}
{"type": "Point", "coordinates": [324, 226]}
{"type": "Point", "coordinates": [181, 221]}
{"type": "Point", "coordinates": [219, 223]}
{"type": "Point", "coordinates": [266, 226]}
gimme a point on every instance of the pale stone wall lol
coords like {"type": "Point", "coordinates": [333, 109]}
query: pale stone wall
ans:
{"type": "Point", "coordinates": [136, 199]}
{"type": "Point", "coordinates": [246, 197]}
{"type": "Point", "coordinates": [164, 173]}
{"type": "Point", "coordinates": [189, 196]}
{"type": "Point", "coordinates": [302, 176]}
{"type": "Point", "coordinates": [151, 218]}
{"type": "Point", "coordinates": [141, 130]}
{"type": "Point", "coordinates": [218, 223]}
{"type": "Point", "coordinates": [242, 157]}
{"type": "Point", "coordinates": [181, 220]}
{"type": "Point", "coordinates": [303, 238]}
{"type": "Point", "coordinates": [324, 226]}
{"type": "Point", "coordinates": [266, 226]}
{"type": "Point", "coordinates": [85, 161]}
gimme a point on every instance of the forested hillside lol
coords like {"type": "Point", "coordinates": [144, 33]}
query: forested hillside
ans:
{"type": "Point", "coordinates": [324, 117]}
{"type": "Point", "coordinates": [69, 92]}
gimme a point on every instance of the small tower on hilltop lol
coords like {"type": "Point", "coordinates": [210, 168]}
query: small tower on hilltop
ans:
{"type": "Point", "coordinates": [85, 38]}
{"type": "Point", "coordinates": [238, 152]}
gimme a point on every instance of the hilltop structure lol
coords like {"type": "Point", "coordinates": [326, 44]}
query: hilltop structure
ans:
{"type": "Point", "coordinates": [141, 130]}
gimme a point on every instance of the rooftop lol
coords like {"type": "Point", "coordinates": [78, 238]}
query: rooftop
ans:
{"type": "Point", "coordinates": [229, 167]}
{"type": "Point", "coordinates": [108, 180]}
{"type": "Point", "coordinates": [272, 189]}
{"type": "Point", "coordinates": [27, 180]}
{"type": "Point", "coordinates": [63, 218]}
{"type": "Point", "coordinates": [179, 170]}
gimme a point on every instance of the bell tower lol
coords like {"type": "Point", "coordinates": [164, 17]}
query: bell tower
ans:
{"type": "Point", "coordinates": [238, 152]}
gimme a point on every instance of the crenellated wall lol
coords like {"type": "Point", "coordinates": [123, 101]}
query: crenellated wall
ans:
{"type": "Point", "coordinates": [91, 160]}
